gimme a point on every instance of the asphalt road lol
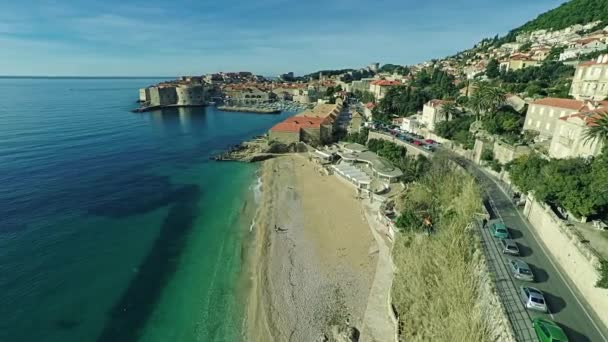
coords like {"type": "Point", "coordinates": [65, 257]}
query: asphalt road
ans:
{"type": "Point", "coordinates": [570, 312]}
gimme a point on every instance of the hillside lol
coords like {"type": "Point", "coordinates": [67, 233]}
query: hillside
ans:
{"type": "Point", "coordinates": [568, 14]}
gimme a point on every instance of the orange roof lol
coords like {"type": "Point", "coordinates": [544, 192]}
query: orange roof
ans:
{"type": "Point", "coordinates": [295, 123]}
{"type": "Point", "coordinates": [370, 105]}
{"type": "Point", "coordinates": [589, 117]}
{"type": "Point", "coordinates": [560, 103]}
{"type": "Point", "coordinates": [385, 83]}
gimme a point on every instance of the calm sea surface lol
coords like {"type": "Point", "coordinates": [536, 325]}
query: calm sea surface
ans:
{"type": "Point", "coordinates": [116, 226]}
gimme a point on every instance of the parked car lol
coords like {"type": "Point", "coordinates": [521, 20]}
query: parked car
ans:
{"type": "Point", "coordinates": [417, 143]}
{"type": "Point", "coordinates": [429, 148]}
{"type": "Point", "coordinates": [499, 230]}
{"type": "Point", "coordinates": [509, 247]}
{"type": "Point", "coordinates": [548, 331]}
{"type": "Point", "coordinates": [430, 141]}
{"type": "Point", "coordinates": [521, 270]}
{"type": "Point", "coordinates": [533, 299]}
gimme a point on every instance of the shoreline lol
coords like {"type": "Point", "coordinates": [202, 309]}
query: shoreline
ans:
{"type": "Point", "coordinates": [314, 276]}
{"type": "Point", "coordinates": [248, 110]}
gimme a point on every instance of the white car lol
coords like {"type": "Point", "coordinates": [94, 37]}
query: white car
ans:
{"type": "Point", "coordinates": [533, 299]}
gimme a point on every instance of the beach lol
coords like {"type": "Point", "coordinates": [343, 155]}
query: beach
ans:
{"type": "Point", "coordinates": [315, 269]}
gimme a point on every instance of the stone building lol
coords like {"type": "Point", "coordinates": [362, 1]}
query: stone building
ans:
{"type": "Point", "coordinates": [190, 95]}
{"type": "Point", "coordinates": [517, 62]}
{"type": "Point", "coordinates": [380, 87]}
{"type": "Point", "coordinates": [315, 126]}
{"type": "Point", "coordinates": [163, 95]}
{"type": "Point", "coordinates": [590, 80]}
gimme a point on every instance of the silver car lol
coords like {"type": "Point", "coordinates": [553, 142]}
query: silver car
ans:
{"type": "Point", "coordinates": [521, 270]}
{"type": "Point", "coordinates": [509, 247]}
{"type": "Point", "coordinates": [533, 299]}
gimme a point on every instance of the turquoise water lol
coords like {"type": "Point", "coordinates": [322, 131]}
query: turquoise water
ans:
{"type": "Point", "coordinates": [116, 226]}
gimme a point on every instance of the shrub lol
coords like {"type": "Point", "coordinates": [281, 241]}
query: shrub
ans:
{"type": "Point", "coordinates": [603, 269]}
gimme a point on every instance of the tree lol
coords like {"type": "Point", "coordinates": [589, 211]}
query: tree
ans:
{"type": "Point", "coordinates": [451, 111]}
{"type": "Point", "coordinates": [597, 131]}
{"type": "Point", "coordinates": [493, 68]}
{"type": "Point", "coordinates": [486, 99]}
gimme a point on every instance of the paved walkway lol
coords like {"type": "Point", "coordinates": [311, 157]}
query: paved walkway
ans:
{"type": "Point", "coordinates": [378, 325]}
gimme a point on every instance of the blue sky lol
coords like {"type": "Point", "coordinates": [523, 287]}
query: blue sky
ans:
{"type": "Point", "coordinates": [177, 37]}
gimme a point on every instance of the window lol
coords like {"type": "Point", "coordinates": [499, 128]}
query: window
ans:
{"type": "Point", "coordinates": [551, 112]}
{"type": "Point", "coordinates": [538, 124]}
{"type": "Point", "coordinates": [529, 122]}
{"type": "Point", "coordinates": [548, 126]}
{"type": "Point", "coordinates": [542, 111]}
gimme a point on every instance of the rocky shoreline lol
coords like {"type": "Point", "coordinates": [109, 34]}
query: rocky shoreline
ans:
{"type": "Point", "coordinates": [257, 149]}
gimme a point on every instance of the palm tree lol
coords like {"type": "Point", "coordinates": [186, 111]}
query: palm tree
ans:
{"type": "Point", "coordinates": [486, 99]}
{"type": "Point", "coordinates": [597, 130]}
{"type": "Point", "coordinates": [450, 110]}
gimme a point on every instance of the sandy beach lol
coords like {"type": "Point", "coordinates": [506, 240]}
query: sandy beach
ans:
{"type": "Point", "coordinates": [316, 270]}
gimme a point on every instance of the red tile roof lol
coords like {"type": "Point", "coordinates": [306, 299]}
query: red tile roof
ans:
{"type": "Point", "coordinates": [295, 123]}
{"type": "Point", "coordinates": [560, 103]}
{"type": "Point", "coordinates": [386, 83]}
{"type": "Point", "coordinates": [370, 105]}
{"type": "Point", "coordinates": [589, 117]}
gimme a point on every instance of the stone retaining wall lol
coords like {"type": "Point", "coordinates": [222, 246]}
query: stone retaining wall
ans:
{"type": "Point", "coordinates": [577, 260]}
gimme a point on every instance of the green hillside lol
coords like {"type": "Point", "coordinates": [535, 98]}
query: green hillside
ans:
{"type": "Point", "coordinates": [568, 14]}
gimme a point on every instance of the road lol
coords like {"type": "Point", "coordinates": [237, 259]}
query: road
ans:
{"type": "Point", "coordinates": [572, 314]}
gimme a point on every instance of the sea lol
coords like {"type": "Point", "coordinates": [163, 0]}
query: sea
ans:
{"type": "Point", "coordinates": [117, 226]}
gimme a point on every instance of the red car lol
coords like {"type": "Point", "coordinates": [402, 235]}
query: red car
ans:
{"type": "Point", "coordinates": [418, 143]}
{"type": "Point", "coordinates": [430, 141]}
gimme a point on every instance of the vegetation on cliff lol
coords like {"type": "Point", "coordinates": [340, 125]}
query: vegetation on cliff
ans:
{"type": "Point", "coordinates": [441, 290]}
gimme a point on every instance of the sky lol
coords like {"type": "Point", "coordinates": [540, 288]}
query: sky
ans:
{"type": "Point", "coordinates": [267, 37]}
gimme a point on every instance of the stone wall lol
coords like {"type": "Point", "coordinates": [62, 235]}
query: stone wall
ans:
{"type": "Point", "coordinates": [504, 153]}
{"type": "Point", "coordinates": [284, 137]}
{"type": "Point", "coordinates": [576, 259]}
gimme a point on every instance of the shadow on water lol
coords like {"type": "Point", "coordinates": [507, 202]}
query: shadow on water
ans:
{"type": "Point", "coordinates": [129, 314]}
{"type": "Point", "coordinates": [135, 195]}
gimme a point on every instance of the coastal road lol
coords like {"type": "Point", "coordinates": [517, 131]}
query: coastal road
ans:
{"type": "Point", "coordinates": [570, 312]}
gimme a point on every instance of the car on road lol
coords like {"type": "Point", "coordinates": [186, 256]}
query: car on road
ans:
{"type": "Point", "coordinates": [431, 142]}
{"type": "Point", "coordinates": [509, 247]}
{"type": "Point", "coordinates": [533, 299]}
{"type": "Point", "coordinates": [429, 148]}
{"type": "Point", "coordinates": [499, 230]}
{"type": "Point", "coordinates": [521, 270]}
{"type": "Point", "coordinates": [417, 143]}
{"type": "Point", "coordinates": [548, 331]}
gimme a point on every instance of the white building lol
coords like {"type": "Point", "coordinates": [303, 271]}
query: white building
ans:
{"type": "Point", "coordinates": [569, 138]}
{"type": "Point", "coordinates": [590, 80]}
{"type": "Point", "coordinates": [380, 87]}
{"type": "Point", "coordinates": [432, 113]}
{"type": "Point", "coordinates": [543, 115]}
{"type": "Point", "coordinates": [410, 124]}
{"type": "Point", "coordinates": [581, 47]}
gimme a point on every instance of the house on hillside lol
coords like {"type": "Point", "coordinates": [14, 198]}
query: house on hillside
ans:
{"type": "Point", "coordinates": [569, 138]}
{"type": "Point", "coordinates": [590, 80]}
{"type": "Point", "coordinates": [368, 109]}
{"type": "Point", "coordinates": [517, 62]}
{"type": "Point", "coordinates": [380, 87]}
{"type": "Point", "coordinates": [433, 113]}
{"type": "Point", "coordinates": [581, 47]}
{"type": "Point", "coordinates": [543, 115]}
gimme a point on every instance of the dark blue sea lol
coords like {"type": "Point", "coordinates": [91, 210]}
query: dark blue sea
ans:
{"type": "Point", "coordinates": [116, 226]}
